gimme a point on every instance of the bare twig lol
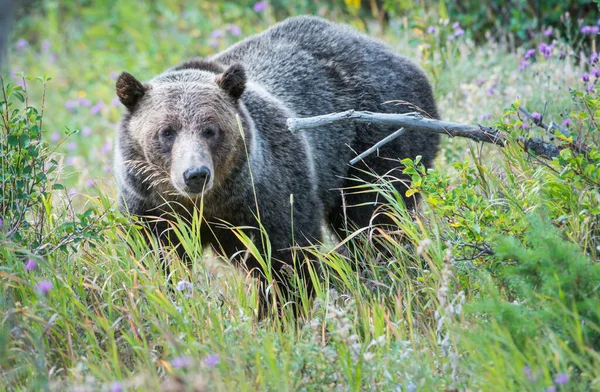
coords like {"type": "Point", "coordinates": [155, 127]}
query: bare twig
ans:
{"type": "Point", "coordinates": [376, 147]}
{"type": "Point", "coordinates": [540, 122]}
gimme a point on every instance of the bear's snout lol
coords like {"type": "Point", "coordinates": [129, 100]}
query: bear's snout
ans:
{"type": "Point", "coordinates": [195, 178]}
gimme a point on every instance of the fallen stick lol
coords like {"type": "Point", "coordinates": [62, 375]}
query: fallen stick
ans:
{"type": "Point", "coordinates": [415, 121]}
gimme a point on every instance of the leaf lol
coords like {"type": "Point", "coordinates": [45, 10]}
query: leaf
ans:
{"type": "Point", "coordinates": [13, 140]}
{"type": "Point", "coordinates": [24, 141]}
{"type": "Point", "coordinates": [443, 10]}
{"type": "Point", "coordinates": [411, 192]}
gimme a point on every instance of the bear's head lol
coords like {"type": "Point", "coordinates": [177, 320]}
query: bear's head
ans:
{"type": "Point", "coordinates": [183, 127]}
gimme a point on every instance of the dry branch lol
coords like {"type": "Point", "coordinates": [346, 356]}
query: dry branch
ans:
{"type": "Point", "coordinates": [417, 122]}
{"type": "Point", "coordinates": [378, 145]}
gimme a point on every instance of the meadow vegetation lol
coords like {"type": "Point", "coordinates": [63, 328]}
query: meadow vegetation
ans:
{"type": "Point", "coordinates": [492, 284]}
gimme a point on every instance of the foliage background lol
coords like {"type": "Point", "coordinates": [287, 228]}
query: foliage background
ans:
{"type": "Point", "coordinates": [492, 284]}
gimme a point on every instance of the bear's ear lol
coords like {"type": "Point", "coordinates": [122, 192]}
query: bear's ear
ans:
{"type": "Point", "coordinates": [233, 81]}
{"type": "Point", "coordinates": [129, 90]}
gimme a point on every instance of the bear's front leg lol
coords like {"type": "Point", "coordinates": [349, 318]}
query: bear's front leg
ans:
{"type": "Point", "coordinates": [290, 263]}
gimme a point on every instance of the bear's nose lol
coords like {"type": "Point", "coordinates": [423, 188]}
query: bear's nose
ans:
{"type": "Point", "coordinates": [196, 177]}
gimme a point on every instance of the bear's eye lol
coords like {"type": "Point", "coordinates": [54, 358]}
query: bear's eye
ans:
{"type": "Point", "coordinates": [168, 134]}
{"type": "Point", "coordinates": [209, 131]}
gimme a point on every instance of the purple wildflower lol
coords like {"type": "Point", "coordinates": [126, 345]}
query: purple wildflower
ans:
{"type": "Point", "coordinates": [561, 379]}
{"type": "Point", "coordinates": [1, 224]}
{"type": "Point", "coordinates": [548, 32]}
{"type": "Point", "coordinates": [589, 88]}
{"type": "Point", "coordinates": [46, 45]}
{"type": "Point", "coordinates": [260, 6]}
{"type": "Point", "coordinates": [84, 102]}
{"type": "Point", "coordinates": [107, 147]}
{"type": "Point", "coordinates": [97, 108]}
{"type": "Point", "coordinates": [528, 373]}
{"type": "Point", "coordinates": [480, 82]}
{"type": "Point", "coordinates": [184, 285]}
{"type": "Point", "coordinates": [22, 43]}
{"type": "Point", "coordinates": [30, 265]}
{"type": "Point", "coordinates": [431, 30]}
{"type": "Point", "coordinates": [485, 116]}
{"type": "Point", "coordinates": [107, 169]}
{"type": "Point", "coordinates": [212, 360]}
{"type": "Point", "coordinates": [181, 362]}
{"type": "Point", "coordinates": [216, 33]}
{"type": "Point", "coordinates": [590, 30]}
{"type": "Point", "coordinates": [86, 131]}
{"type": "Point", "coordinates": [598, 22]}
{"type": "Point", "coordinates": [72, 146]}
{"type": "Point", "coordinates": [70, 105]}
{"type": "Point", "coordinates": [72, 192]}
{"type": "Point", "coordinates": [235, 30]}
{"type": "Point", "coordinates": [114, 75]}
{"type": "Point", "coordinates": [525, 125]}
{"type": "Point", "coordinates": [69, 161]}
{"type": "Point", "coordinates": [536, 116]}
{"type": "Point", "coordinates": [566, 122]}
{"type": "Point", "coordinates": [585, 77]}
{"type": "Point", "coordinates": [595, 72]}
{"type": "Point", "coordinates": [545, 50]}
{"type": "Point", "coordinates": [451, 38]}
{"type": "Point", "coordinates": [459, 32]}
{"type": "Point", "coordinates": [524, 64]}
{"type": "Point", "coordinates": [90, 183]}
{"type": "Point", "coordinates": [551, 389]}
{"type": "Point", "coordinates": [491, 91]}
{"type": "Point", "coordinates": [115, 102]}
{"type": "Point", "coordinates": [44, 287]}
{"type": "Point", "coordinates": [530, 53]}
{"type": "Point", "coordinates": [55, 137]}
{"type": "Point", "coordinates": [593, 58]}
{"type": "Point", "coordinates": [116, 387]}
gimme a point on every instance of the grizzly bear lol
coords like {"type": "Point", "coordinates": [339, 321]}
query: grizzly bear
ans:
{"type": "Point", "coordinates": [212, 134]}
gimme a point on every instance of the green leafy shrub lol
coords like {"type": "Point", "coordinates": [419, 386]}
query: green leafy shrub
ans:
{"type": "Point", "coordinates": [29, 186]}
{"type": "Point", "coordinates": [554, 285]}
{"type": "Point", "coordinates": [26, 165]}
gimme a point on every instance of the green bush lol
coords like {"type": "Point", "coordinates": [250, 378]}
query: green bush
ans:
{"type": "Point", "coordinates": [29, 187]}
